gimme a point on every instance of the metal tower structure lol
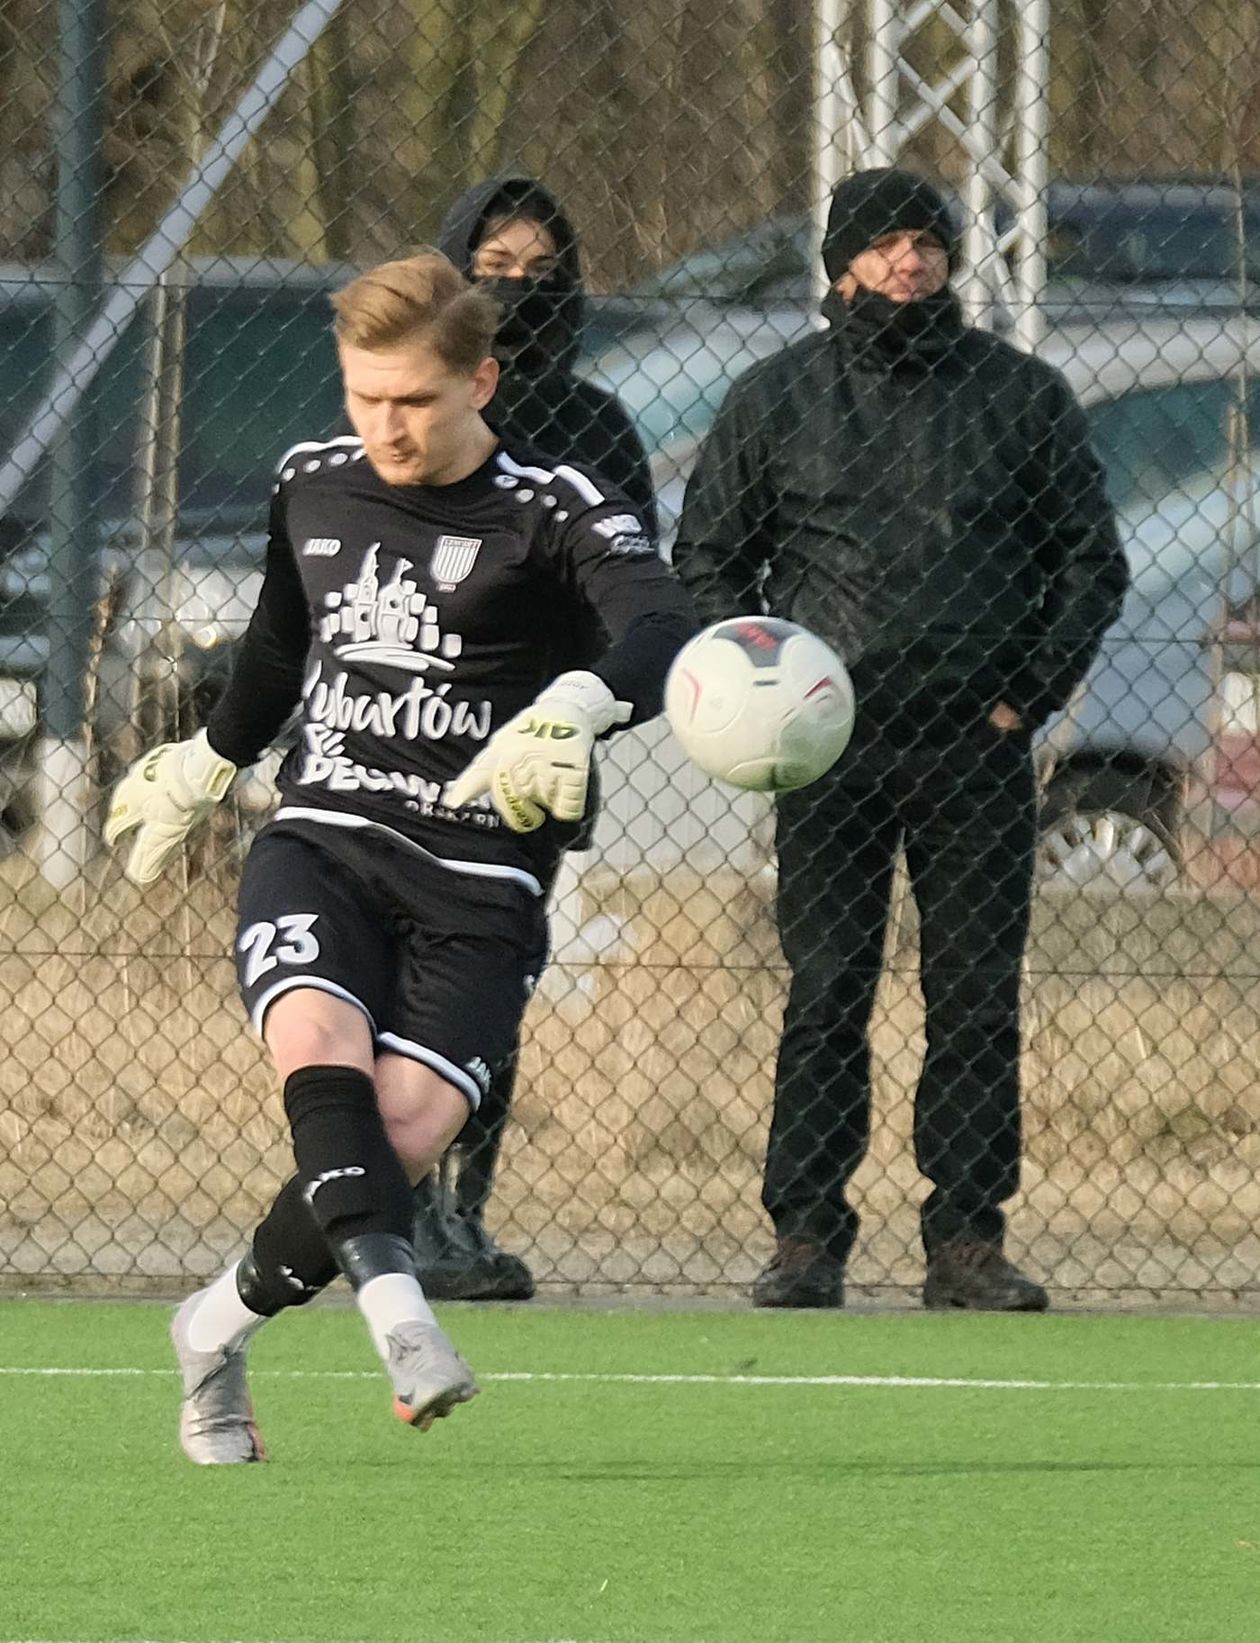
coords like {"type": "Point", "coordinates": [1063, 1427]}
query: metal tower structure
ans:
{"type": "Point", "coordinates": [987, 88]}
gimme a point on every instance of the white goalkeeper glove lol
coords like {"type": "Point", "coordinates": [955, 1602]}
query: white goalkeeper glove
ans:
{"type": "Point", "coordinates": [165, 794]}
{"type": "Point", "coordinates": [539, 763]}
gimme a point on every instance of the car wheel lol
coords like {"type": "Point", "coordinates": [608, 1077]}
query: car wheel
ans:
{"type": "Point", "coordinates": [1107, 830]}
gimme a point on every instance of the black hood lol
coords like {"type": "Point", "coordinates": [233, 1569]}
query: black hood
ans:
{"type": "Point", "coordinates": [542, 318]}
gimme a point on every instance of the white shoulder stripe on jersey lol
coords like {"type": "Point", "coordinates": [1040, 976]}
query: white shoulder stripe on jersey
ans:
{"type": "Point", "coordinates": [317, 445]}
{"type": "Point", "coordinates": [540, 476]}
{"type": "Point", "coordinates": [582, 485]}
{"type": "Point", "coordinates": [544, 476]}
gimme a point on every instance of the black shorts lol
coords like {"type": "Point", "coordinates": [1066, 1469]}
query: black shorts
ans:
{"type": "Point", "coordinates": [442, 963]}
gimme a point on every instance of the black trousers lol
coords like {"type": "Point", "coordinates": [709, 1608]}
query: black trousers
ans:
{"type": "Point", "coordinates": [963, 805]}
{"type": "Point", "coordinates": [475, 1152]}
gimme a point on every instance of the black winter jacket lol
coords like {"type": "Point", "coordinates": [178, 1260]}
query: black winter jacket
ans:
{"type": "Point", "coordinates": [932, 509]}
{"type": "Point", "coordinates": [539, 399]}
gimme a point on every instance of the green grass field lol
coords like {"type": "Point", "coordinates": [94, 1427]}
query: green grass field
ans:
{"type": "Point", "coordinates": [645, 1477]}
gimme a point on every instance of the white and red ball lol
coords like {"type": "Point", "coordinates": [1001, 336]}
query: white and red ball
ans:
{"type": "Point", "coordinates": [760, 703]}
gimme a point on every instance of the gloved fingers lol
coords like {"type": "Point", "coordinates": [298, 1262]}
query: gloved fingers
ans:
{"type": "Point", "coordinates": [126, 809]}
{"type": "Point", "coordinates": [156, 845]}
{"type": "Point", "coordinates": [120, 820]}
{"type": "Point", "coordinates": [472, 782]}
{"type": "Point", "coordinates": [567, 800]}
{"type": "Point", "coordinates": [518, 810]}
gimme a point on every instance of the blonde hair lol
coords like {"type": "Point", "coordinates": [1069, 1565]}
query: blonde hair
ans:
{"type": "Point", "coordinates": [420, 298]}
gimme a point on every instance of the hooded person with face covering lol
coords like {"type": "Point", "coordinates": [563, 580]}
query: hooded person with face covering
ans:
{"type": "Point", "coordinates": [511, 235]}
{"type": "Point", "coordinates": [923, 496]}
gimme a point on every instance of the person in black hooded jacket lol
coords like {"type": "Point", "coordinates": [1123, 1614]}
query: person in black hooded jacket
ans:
{"type": "Point", "coordinates": [511, 235]}
{"type": "Point", "coordinates": [921, 495]}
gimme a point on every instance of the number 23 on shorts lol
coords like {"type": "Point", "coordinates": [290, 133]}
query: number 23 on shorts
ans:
{"type": "Point", "coordinates": [297, 945]}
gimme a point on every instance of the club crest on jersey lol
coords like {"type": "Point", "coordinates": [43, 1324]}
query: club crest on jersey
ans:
{"type": "Point", "coordinates": [391, 622]}
{"type": "Point", "coordinates": [453, 558]}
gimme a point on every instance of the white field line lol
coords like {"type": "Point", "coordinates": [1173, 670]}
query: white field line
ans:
{"type": "Point", "coordinates": [546, 1377]}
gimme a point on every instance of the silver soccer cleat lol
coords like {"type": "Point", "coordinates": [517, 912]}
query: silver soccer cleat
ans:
{"type": "Point", "coordinates": [216, 1418]}
{"type": "Point", "coordinates": [428, 1375]}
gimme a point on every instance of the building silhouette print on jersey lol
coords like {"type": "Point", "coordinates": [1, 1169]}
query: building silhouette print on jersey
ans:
{"type": "Point", "coordinates": [395, 624]}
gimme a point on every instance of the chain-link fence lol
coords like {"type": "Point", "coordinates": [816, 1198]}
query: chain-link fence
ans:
{"type": "Point", "coordinates": [181, 187]}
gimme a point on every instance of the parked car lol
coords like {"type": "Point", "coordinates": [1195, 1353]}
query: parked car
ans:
{"type": "Point", "coordinates": [1168, 714]}
{"type": "Point", "coordinates": [672, 380]}
{"type": "Point", "coordinates": [1159, 729]}
{"type": "Point", "coordinates": [1151, 245]}
{"type": "Point", "coordinates": [768, 265]}
{"type": "Point", "coordinates": [260, 373]}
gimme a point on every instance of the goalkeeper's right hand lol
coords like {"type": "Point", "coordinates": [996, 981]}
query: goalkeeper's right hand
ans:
{"type": "Point", "coordinates": [165, 794]}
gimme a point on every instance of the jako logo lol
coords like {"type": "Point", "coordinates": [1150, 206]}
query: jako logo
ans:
{"type": "Point", "coordinates": [321, 547]}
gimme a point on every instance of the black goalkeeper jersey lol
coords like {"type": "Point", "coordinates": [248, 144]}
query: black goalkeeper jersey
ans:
{"type": "Point", "coordinates": [412, 622]}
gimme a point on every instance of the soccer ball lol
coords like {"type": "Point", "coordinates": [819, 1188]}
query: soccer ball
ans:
{"type": "Point", "coordinates": [760, 703]}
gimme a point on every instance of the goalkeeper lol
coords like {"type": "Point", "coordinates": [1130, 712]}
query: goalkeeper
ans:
{"type": "Point", "coordinates": [425, 587]}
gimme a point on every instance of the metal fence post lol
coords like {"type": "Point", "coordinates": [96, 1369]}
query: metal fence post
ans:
{"type": "Point", "coordinates": [73, 561]}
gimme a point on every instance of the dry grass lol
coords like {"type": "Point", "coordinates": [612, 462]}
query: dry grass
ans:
{"type": "Point", "coordinates": [140, 1133]}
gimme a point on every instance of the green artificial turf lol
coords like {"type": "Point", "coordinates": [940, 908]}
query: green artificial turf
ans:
{"type": "Point", "coordinates": [644, 1511]}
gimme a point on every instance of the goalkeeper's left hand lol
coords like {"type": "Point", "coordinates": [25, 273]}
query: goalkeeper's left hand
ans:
{"type": "Point", "coordinates": [539, 763]}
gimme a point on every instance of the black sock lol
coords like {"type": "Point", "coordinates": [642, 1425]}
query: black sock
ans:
{"type": "Point", "coordinates": [352, 1179]}
{"type": "Point", "coordinates": [289, 1260]}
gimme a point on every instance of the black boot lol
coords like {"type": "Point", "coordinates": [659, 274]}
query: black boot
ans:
{"type": "Point", "coordinates": [465, 1263]}
{"type": "Point", "coordinates": [495, 1273]}
{"type": "Point", "coordinates": [477, 1269]}
{"type": "Point", "coordinates": [976, 1276]}
{"type": "Point", "coordinates": [431, 1231]}
{"type": "Point", "coordinates": [801, 1272]}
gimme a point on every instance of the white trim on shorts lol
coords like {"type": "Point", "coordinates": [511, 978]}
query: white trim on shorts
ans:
{"type": "Point", "coordinates": [463, 1081]}
{"type": "Point", "coordinates": [258, 1015]}
{"type": "Point", "coordinates": [474, 869]}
